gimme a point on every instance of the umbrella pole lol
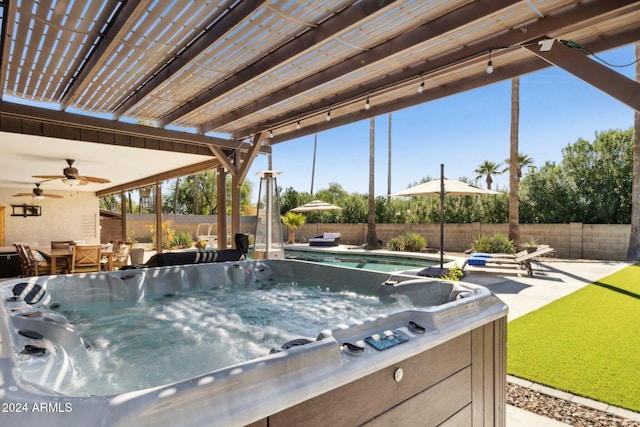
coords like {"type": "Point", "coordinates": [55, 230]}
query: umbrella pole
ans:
{"type": "Point", "coordinates": [441, 215]}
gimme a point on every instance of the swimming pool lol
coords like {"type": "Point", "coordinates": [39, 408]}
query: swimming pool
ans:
{"type": "Point", "coordinates": [375, 262]}
{"type": "Point", "coordinates": [423, 339]}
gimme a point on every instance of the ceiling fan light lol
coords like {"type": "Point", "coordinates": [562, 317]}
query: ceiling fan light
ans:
{"type": "Point", "coordinates": [39, 197]}
{"type": "Point", "coordinates": [72, 182]}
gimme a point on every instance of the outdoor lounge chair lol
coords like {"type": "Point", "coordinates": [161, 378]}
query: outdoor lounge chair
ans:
{"type": "Point", "coordinates": [521, 259]}
{"type": "Point", "coordinates": [327, 239]}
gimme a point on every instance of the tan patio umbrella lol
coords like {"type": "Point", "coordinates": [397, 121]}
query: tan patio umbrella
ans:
{"type": "Point", "coordinates": [315, 206]}
{"type": "Point", "coordinates": [441, 187]}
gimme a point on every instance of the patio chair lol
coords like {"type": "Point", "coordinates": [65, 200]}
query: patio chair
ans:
{"type": "Point", "coordinates": [25, 262]}
{"type": "Point", "coordinates": [121, 252]}
{"type": "Point", "coordinates": [39, 265]}
{"type": "Point", "coordinates": [86, 258]}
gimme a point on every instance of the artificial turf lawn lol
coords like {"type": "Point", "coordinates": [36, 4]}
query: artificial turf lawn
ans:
{"type": "Point", "coordinates": [587, 343]}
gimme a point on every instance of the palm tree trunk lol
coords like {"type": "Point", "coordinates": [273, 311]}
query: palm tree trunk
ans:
{"type": "Point", "coordinates": [633, 251]}
{"type": "Point", "coordinates": [514, 166]}
{"type": "Point", "coordinates": [389, 163]}
{"type": "Point", "coordinates": [372, 237]}
{"type": "Point", "coordinates": [175, 196]}
{"type": "Point", "coordinates": [313, 165]}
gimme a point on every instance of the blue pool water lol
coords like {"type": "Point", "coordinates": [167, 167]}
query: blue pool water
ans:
{"type": "Point", "coordinates": [369, 262]}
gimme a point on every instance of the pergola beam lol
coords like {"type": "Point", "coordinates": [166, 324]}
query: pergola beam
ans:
{"type": "Point", "coordinates": [233, 17]}
{"type": "Point", "coordinates": [130, 12]}
{"type": "Point", "coordinates": [500, 73]}
{"type": "Point", "coordinates": [150, 180]}
{"type": "Point", "coordinates": [381, 52]}
{"type": "Point", "coordinates": [26, 119]}
{"type": "Point", "coordinates": [344, 19]}
{"type": "Point", "coordinates": [576, 62]}
{"type": "Point", "coordinates": [243, 169]}
{"type": "Point", "coordinates": [8, 20]}
{"type": "Point", "coordinates": [543, 27]}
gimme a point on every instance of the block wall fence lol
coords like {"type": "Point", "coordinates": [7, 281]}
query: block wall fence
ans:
{"type": "Point", "coordinates": [574, 240]}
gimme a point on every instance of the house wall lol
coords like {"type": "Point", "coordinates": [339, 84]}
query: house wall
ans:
{"type": "Point", "coordinates": [74, 217]}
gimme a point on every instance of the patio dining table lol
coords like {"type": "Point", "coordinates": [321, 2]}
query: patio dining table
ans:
{"type": "Point", "coordinates": [53, 255]}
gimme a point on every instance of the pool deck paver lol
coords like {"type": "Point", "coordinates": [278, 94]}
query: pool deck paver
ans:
{"type": "Point", "coordinates": [552, 279]}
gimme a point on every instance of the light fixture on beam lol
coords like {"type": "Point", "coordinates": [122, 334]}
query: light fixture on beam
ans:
{"type": "Point", "coordinates": [421, 87]}
{"type": "Point", "coordinates": [328, 117]}
{"type": "Point", "coordinates": [489, 64]}
{"type": "Point", "coordinates": [367, 104]}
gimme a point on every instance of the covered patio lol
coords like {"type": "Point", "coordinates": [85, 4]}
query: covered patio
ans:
{"type": "Point", "coordinates": [141, 92]}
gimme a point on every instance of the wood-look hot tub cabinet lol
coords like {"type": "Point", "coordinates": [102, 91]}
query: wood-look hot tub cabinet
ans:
{"type": "Point", "coordinates": [461, 382]}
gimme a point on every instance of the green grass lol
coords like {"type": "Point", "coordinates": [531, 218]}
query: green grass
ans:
{"type": "Point", "coordinates": [587, 343]}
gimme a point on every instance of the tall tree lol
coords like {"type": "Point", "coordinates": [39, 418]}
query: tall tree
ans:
{"type": "Point", "coordinates": [633, 252]}
{"type": "Point", "coordinates": [372, 237]}
{"type": "Point", "coordinates": [389, 162]}
{"type": "Point", "coordinates": [514, 166]}
{"type": "Point", "coordinates": [524, 160]}
{"type": "Point", "coordinates": [487, 169]}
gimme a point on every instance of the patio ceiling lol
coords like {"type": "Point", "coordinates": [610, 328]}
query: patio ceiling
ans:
{"type": "Point", "coordinates": [204, 79]}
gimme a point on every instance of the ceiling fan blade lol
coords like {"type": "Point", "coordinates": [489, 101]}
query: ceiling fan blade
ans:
{"type": "Point", "coordinates": [48, 177]}
{"type": "Point", "coordinates": [23, 195]}
{"type": "Point", "coordinates": [53, 196]}
{"type": "Point", "coordinates": [94, 179]}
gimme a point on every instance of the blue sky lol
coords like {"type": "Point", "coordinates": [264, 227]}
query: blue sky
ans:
{"type": "Point", "coordinates": [461, 131]}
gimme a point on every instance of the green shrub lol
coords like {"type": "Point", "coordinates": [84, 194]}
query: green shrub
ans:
{"type": "Point", "coordinates": [481, 243]}
{"type": "Point", "coordinates": [502, 244]}
{"type": "Point", "coordinates": [414, 242]}
{"type": "Point", "coordinates": [498, 243]}
{"type": "Point", "coordinates": [182, 240]}
{"type": "Point", "coordinates": [411, 242]}
{"type": "Point", "coordinates": [454, 274]}
{"type": "Point", "coordinates": [395, 244]}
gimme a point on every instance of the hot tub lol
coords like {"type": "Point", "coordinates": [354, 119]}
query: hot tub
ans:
{"type": "Point", "coordinates": [440, 358]}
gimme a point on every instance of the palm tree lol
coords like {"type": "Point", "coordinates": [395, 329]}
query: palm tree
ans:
{"type": "Point", "coordinates": [372, 236]}
{"type": "Point", "coordinates": [515, 156]}
{"type": "Point", "coordinates": [523, 161]}
{"type": "Point", "coordinates": [487, 169]}
{"type": "Point", "coordinates": [292, 220]}
{"type": "Point", "coordinates": [633, 251]}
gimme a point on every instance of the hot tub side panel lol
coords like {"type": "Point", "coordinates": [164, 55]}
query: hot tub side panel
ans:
{"type": "Point", "coordinates": [461, 382]}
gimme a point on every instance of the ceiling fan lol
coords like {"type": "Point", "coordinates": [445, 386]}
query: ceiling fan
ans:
{"type": "Point", "coordinates": [37, 193]}
{"type": "Point", "coordinates": [71, 177]}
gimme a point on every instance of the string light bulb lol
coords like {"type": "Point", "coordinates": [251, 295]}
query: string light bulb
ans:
{"type": "Point", "coordinates": [489, 64]}
{"type": "Point", "coordinates": [270, 134]}
{"type": "Point", "coordinates": [298, 124]}
{"type": "Point", "coordinates": [367, 105]}
{"type": "Point", "coordinates": [421, 87]}
{"type": "Point", "coordinates": [328, 118]}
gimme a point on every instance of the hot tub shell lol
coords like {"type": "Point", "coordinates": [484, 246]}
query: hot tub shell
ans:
{"type": "Point", "coordinates": [453, 372]}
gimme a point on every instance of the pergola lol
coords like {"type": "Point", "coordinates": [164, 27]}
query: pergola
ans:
{"type": "Point", "coordinates": [204, 85]}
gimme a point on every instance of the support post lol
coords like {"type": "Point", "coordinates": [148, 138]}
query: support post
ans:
{"type": "Point", "coordinates": [221, 207]}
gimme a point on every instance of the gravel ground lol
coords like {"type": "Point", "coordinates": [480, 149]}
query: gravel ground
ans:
{"type": "Point", "coordinates": [562, 410]}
